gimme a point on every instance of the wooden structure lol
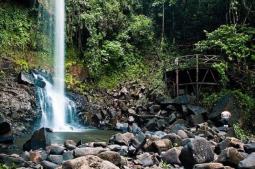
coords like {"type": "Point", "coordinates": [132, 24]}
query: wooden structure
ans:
{"type": "Point", "coordinates": [190, 73]}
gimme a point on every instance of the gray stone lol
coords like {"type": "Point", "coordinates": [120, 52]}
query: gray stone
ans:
{"type": "Point", "coordinates": [248, 163]}
{"type": "Point", "coordinates": [172, 156]}
{"type": "Point", "coordinates": [145, 159]}
{"type": "Point", "coordinates": [49, 165]}
{"type": "Point", "coordinates": [57, 159]}
{"type": "Point", "coordinates": [38, 140]}
{"type": "Point", "coordinates": [68, 155]}
{"type": "Point", "coordinates": [231, 156]}
{"type": "Point", "coordinates": [249, 148]}
{"type": "Point", "coordinates": [88, 162]}
{"type": "Point", "coordinates": [122, 139]}
{"type": "Point", "coordinates": [111, 156]}
{"type": "Point", "coordinates": [78, 152]}
{"type": "Point", "coordinates": [70, 144]}
{"type": "Point", "coordinates": [196, 151]}
{"type": "Point", "coordinates": [55, 149]}
{"type": "Point", "coordinates": [209, 166]}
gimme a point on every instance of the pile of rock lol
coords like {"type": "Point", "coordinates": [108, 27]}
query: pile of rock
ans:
{"type": "Point", "coordinates": [190, 148]}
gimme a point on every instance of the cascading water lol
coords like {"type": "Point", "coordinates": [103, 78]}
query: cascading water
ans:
{"type": "Point", "coordinates": [58, 112]}
{"type": "Point", "coordinates": [58, 101]}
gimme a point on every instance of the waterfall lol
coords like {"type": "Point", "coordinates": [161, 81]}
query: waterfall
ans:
{"type": "Point", "coordinates": [58, 102]}
{"type": "Point", "coordinates": [58, 112]}
{"type": "Point", "coordinates": [47, 98]}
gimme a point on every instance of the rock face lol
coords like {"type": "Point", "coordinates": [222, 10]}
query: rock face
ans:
{"type": "Point", "coordinates": [17, 103]}
{"type": "Point", "coordinates": [88, 162]}
{"type": "Point", "coordinates": [6, 137]}
{"type": "Point", "coordinates": [197, 151]}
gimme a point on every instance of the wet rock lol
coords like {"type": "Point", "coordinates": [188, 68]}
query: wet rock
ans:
{"type": "Point", "coordinates": [55, 149]}
{"type": "Point", "coordinates": [122, 139]}
{"type": "Point", "coordinates": [81, 101]}
{"type": "Point", "coordinates": [88, 162]}
{"type": "Point", "coordinates": [248, 163]}
{"type": "Point", "coordinates": [49, 165]}
{"type": "Point", "coordinates": [172, 156]}
{"type": "Point", "coordinates": [196, 151]}
{"type": "Point", "coordinates": [78, 152]}
{"type": "Point", "coordinates": [70, 144]}
{"type": "Point", "coordinates": [231, 156]}
{"type": "Point", "coordinates": [68, 155]}
{"type": "Point", "coordinates": [145, 159]}
{"type": "Point", "coordinates": [249, 148]}
{"type": "Point", "coordinates": [26, 78]}
{"type": "Point", "coordinates": [57, 159]}
{"type": "Point", "coordinates": [38, 140]}
{"type": "Point", "coordinates": [209, 166]}
{"type": "Point", "coordinates": [111, 156]}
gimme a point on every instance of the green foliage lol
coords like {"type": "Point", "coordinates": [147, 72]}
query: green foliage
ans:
{"type": "Point", "coordinates": [15, 27]}
{"type": "Point", "coordinates": [222, 69]}
{"type": "Point", "coordinates": [240, 133]}
{"type": "Point", "coordinates": [228, 39]}
{"type": "Point", "coordinates": [113, 35]}
{"type": "Point", "coordinates": [22, 64]}
{"type": "Point", "coordinates": [164, 165]}
{"type": "Point", "coordinates": [2, 166]}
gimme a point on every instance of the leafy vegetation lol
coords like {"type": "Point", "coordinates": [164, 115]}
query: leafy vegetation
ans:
{"type": "Point", "coordinates": [15, 27]}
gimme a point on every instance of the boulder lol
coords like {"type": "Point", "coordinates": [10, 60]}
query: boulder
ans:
{"type": "Point", "coordinates": [79, 152]}
{"type": "Point", "coordinates": [26, 78]}
{"type": "Point", "coordinates": [157, 145]}
{"type": "Point", "coordinates": [229, 142]}
{"type": "Point", "coordinates": [38, 140]}
{"type": "Point", "coordinates": [145, 159]}
{"type": "Point", "coordinates": [249, 148]}
{"type": "Point", "coordinates": [55, 149]}
{"type": "Point", "coordinates": [68, 155]}
{"type": "Point", "coordinates": [114, 147]}
{"type": "Point", "coordinates": [209, 166]}
{"type": "Point", "coordinates": [172, 156]}
{"type": "Point", "coordinates": [70, 144]}
{"type": "Point", "coordinates": [182, 134]}
{"type": "Point", "coordinates": [111, 156]}
{"type": "Point", "coordinates": [49, 165]}
{"type": "Point", "coordinates": [196, 151]}
{"type": "Point", "coordinates": [175, 139]}
{"type": "Point", "coordinates": [231, 156]}
{"type": "Point", "coordinates": [88, 162]}
{"type": "Point", "coordinates": [248, 163]}
{"type": "Point", "coordinates": [35, 156]}
{"type": "Point", "coordinates": [122, 139]}
{"type": "Point", "coordinates": [57, 159]}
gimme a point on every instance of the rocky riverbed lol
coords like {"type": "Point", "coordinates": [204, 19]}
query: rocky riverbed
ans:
{"type": "Point", "coordinates": [200, 147]}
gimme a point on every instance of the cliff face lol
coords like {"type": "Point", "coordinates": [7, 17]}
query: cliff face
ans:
{"type": "Point", "coordinates": [17, 101]}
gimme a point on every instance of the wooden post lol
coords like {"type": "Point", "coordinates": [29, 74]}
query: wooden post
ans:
{"type": "Point", "coordinates": [177, 76]}
{"type": "Point", "coordinates": [197, 77]}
